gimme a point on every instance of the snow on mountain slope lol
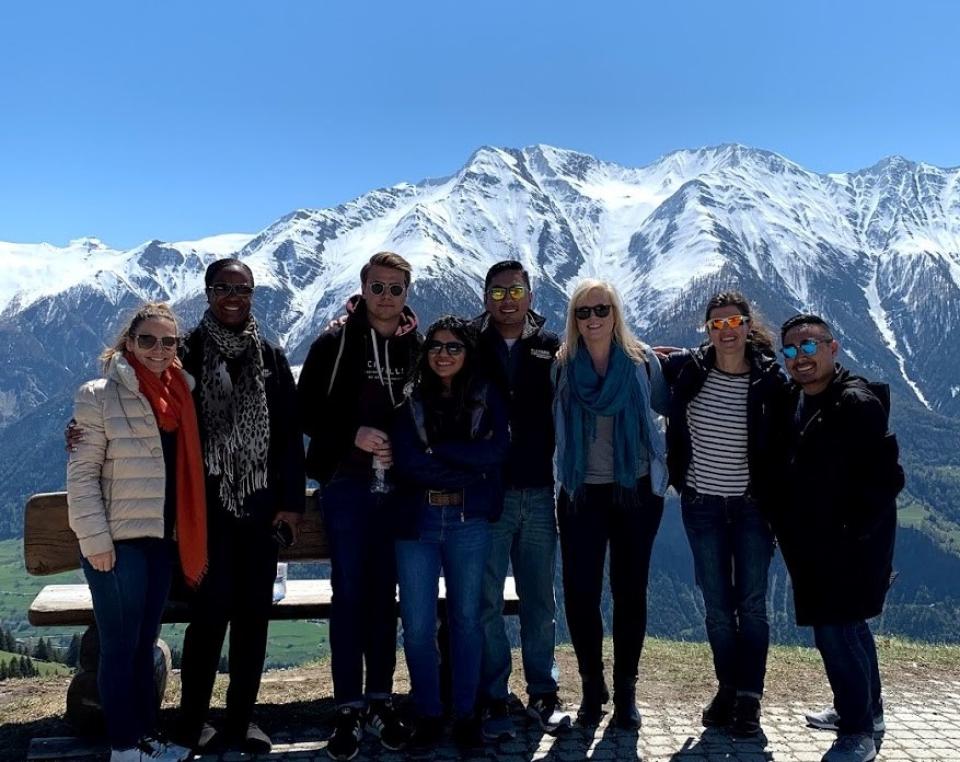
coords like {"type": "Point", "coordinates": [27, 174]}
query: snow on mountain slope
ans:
{"type": "Point", "coordinates": [877, 251]}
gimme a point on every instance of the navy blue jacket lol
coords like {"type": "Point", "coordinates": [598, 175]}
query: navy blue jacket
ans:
{"type": "Point", "coordinates": [837, 517]}
{"type": "Point", "coordinates": [529, 397]}
{"type": "Point", "coordinates": [472, 464]}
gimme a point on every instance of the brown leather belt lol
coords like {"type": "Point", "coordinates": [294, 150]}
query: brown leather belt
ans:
{"type": "Point", "coordinates": [441, 498]}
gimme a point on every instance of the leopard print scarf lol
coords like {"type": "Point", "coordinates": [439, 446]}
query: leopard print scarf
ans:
{"type": "Point", "coordinates": [235, 415]}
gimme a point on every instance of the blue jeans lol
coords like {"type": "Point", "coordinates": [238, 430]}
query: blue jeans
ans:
{"type": "Point", "coordinates": [363, 575]}
{"type": "Point", "coordinates": [128, 603]}
{"type": "Point", "coordinates": [850, 658]}
{"type": "Point", "coordinates": [459, 548]}
{"type": "Point", "coordinates": [525, 537]}
{"type": "Point", "coordinates": [732, 548]}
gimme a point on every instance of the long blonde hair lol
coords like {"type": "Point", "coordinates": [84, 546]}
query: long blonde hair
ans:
{"type": "Point", "coordinates": [147, 311]}
{"type": "Point", "coordinates": [622, 334]}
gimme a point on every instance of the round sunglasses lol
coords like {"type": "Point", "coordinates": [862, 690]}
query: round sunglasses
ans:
{"type": "Point", "coordinates": [499, 293]}
{"type": "Point", "coordinates": [377, 288]}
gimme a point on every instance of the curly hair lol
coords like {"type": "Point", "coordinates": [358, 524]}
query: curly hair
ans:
{"type": "Point", "coordinates": [759, 338]}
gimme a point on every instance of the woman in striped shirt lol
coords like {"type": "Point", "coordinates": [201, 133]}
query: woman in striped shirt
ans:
{"type": "Point", "coordinates": [718, 445]}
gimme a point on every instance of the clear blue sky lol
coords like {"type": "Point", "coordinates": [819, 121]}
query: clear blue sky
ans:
{"type": "Point", "coordinates": [174, 120]}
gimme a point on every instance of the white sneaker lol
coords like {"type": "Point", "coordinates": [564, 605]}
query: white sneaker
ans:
{"type": "Point", "coordinates": [828, 719]}
{"type": "Point", "coordinates": [163, 751]}
{"type": "Point", "coordinates": [125, 755]}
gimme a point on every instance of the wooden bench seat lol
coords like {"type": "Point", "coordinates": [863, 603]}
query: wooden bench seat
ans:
{"type": "Point", "coordinates": [63, 605]}
{"type": "Point", "coordinates": [50, 547]}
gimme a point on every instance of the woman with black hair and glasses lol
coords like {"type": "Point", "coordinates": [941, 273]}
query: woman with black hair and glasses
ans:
{"type": "Point", "coordinates": [449, 442]}
{"type": "Point", "coordinates": [612, 473]}
{"type": "Point", "coordinates": [719, 452]}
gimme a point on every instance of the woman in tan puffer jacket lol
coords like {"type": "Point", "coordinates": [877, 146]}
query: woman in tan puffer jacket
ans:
{"type": "Point", "coordinates": [135, 490]}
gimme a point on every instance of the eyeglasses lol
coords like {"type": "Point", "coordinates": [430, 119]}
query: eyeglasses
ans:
{"type": "Point", "coordinates": [149, 341]}
{"type": "Point", "coordinates": [807, 346]}
{"type": "Point", "coordinates": [454, 348]}
{"type": "Point", "coordinates": [230, 289]}
{"type": "Point", "coordinates": [734, 321]}
{"type": "Point", "coordinates": [377, 288]}
{"type": "Point", "coordinates": [499, 293]}
{"type": "Point", "coordinates": [600, 310]}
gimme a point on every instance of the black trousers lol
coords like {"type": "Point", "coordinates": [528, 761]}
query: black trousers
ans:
{"type": "Point", "coordinates": [237, 590]}
{"type": "Point", "coordinates": [627, 520]}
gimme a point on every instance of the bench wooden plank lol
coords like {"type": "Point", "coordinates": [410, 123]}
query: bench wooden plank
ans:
{"type": "Point", "coordinates": [71, 605]}
{"type": "Point", "coordinates": [50, 546]}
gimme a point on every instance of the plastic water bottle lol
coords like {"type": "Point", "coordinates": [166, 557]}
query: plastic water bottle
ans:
{"type": "Point", "coordinates": [280, 582]}
{"type": "Point", "coordinates": [379, 485]}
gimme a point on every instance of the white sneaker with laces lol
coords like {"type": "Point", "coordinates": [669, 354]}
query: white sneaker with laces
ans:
{"type": "Point", "coordinates": [828, 719]}
{"type": "Point", "coordinates": [125, 755]}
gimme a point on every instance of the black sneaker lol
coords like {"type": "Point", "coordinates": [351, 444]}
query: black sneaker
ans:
{"type": "Point", "coordinates": [383, 721]}
{"type": "Point", "coordinates": [345, 741]}
{"type": "Point", "coordinates": [719, 712]}
{"type": "Point", "coordinates": [466, 732]}
{"type": "Point", "coordinates": [548, 712]}
{"type": "Point", "coordinates": [746, 717]}
{"type": "Point", "coordinates": [427, 733]}
{"type": "Point", "coordinates": [497, 722]}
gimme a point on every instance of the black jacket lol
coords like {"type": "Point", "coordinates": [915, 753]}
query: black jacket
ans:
{"type": "Point", "coordinates": [285, 482]}
{"type": "Point", "coordinates": [837, 517]}
{"type": "Point", "coordinates": [529, 398]}
{"type": "Point", "coordinates": [472, 461]}
{"type": "Point", "coordinates": [686, 372]}
{"type": "Point", "coordinates": [332, 382]}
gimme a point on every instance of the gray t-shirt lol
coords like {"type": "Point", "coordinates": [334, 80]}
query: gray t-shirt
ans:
{"type": "Point", "coordinates": [600, 455]}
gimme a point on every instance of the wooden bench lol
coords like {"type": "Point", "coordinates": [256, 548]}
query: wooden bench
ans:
{"type": "Point", "coordinates": [50, 547]}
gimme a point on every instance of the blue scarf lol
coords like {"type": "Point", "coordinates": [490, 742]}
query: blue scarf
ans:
{"type": "Point", "coordinates": [616, 394]}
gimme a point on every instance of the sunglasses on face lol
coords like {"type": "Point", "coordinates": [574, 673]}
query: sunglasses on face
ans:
{"type": "Point", "coordinates": [734, 321]}
{"type": "Point", "coordinates": [229, 289]}
{"type": "Point", "coordinates": [807, 347]}
{"type": "Point", "coordinates": [149, 341]}
{"type": "Point", "coordinates": [499, 293]}
{"type": "Point", "coordinates": [377, 288]}
{"type": "Point", "coordinates": [454, 348]}
{"type": "Point", "coordinates": [600, 310]}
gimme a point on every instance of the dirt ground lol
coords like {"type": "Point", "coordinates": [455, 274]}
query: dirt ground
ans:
{"type": "Point", "coordinates": [298, 702]}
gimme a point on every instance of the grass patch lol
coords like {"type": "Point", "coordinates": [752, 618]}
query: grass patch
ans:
{"type": "Point", "coordinates": [45, 668]}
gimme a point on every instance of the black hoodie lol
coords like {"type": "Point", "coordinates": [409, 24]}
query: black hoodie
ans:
{"type": "Point", "coordinates": [353, 377]}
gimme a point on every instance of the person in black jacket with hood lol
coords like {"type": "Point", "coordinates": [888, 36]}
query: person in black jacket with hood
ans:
{"type": "Point", "coordinates": [350, 384]}
{"type": "Point", "coordinates": [836, 522]}
{"type": "Point", "coordinates": [718, 444]}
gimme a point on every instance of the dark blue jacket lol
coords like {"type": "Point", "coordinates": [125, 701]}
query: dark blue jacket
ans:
{"type": "Point", "coordinates": [836, 518]}
{"type": "Point", "coordinates": [472, 464]}
{"type": "Point", "coordinates": [529, 395]}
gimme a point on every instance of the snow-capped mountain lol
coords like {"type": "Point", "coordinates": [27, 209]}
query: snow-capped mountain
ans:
{"type": "Point", "coordinates": [877, 251]}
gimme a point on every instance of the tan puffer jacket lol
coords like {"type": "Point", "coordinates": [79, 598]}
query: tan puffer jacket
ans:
{"type": "Point", "coordinates": [116, 480]}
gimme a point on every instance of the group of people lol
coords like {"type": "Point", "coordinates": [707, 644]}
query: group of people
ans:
{"type": "Point", "coordinates": [461, 453]}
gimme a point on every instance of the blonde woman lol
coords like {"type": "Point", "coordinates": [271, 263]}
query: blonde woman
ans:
{"type": "Point", "coordinates": [135, 478]}
{"type": "Point", "coordinates": [611, 466]}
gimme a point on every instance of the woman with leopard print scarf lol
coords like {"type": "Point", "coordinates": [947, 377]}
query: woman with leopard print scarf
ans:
{"type": "Point", "coordinates": [253, 463]}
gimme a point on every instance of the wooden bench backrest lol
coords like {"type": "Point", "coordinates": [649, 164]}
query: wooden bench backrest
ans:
{"type": "Point", "coordinates": [50, 546]}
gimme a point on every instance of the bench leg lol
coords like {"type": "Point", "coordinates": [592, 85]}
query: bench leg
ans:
{"type": "Point", "coordinates": [84, 713]}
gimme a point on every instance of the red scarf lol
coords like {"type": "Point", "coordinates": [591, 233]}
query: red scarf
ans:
{"type": "Point", "coordinates": [170, 398]}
